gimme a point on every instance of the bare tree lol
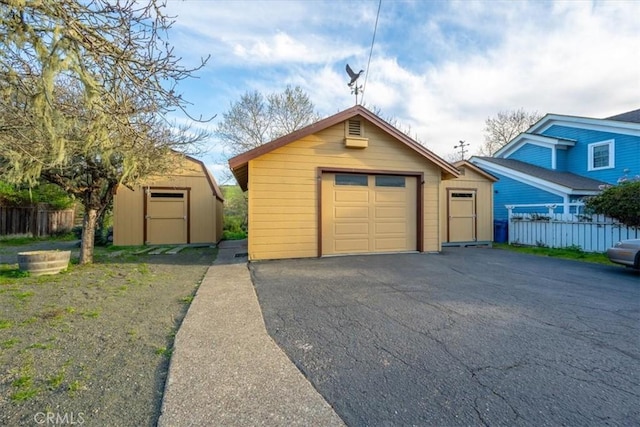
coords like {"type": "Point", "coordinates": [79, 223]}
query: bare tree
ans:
{"type": "Point", "coordinates": [255, 119]}
{"type": "Point", "coordinates": [505, 126]}
{"type": "Point", "coordinates": [453, 157]}
{"type": "Point", "coordinates": [84, 90]}
{"type": "Point", "coordinates": [394, 121]}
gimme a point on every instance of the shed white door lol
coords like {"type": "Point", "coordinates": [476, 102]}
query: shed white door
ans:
{"type": "Point", "coordinates": [166, 218]}
{"type": "Point", "coordinates": [368, 213]}
{"type": "Point", "coordinates": [462, 216]}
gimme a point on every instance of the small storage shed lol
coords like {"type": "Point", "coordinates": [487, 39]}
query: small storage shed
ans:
{"type": "Point", "coordinates": [181, 208]}
{"type": "Point", "coordinates": [467, 206]}
{"type": "Point", "coordinates": [348, 184]}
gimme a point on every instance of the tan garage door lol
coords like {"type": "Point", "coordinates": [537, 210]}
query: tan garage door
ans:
{"type": "Point", "coordinates": [166, 218]}
{"type": "Point", "coordinates": [368, 213]}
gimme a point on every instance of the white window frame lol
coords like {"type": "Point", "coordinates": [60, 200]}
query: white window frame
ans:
{"type": "Point", "coordinates": [612, 151]}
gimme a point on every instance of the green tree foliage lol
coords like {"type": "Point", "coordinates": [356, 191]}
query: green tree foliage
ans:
{"type": "Point", "coordinates": [49, 194]}
{"type": "Point", "coordinates": [85, 87]}
{"type": "Point", "coordinates": [257, 119]}
{"type": "Point", "coordinates": [235, 212]}
{"type": "Point", "coordinates": [505, 126]}
{"type": "Point", "coordinates": [621, 202]}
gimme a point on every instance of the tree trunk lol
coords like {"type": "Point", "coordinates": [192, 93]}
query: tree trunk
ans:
{"type": "Point", "coordinates": [88, 235]}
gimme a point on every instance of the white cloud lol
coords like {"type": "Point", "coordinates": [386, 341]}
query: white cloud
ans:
{"type": "Point", "coordinates": [282, 48]}
{"type": "Point", "coordinates": [439, 68]}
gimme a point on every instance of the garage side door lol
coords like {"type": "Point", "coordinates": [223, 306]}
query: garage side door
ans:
{"type": "Point", "coordinates": [166, 218]}
{"type": "Point", "coordinates": [462, 216]}
{"type": "Point", "coordinates": [368, 213]}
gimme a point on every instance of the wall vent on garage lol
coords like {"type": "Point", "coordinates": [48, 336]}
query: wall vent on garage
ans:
{"type": "Point", "coordinates": [354, 128]}
{"type": "Point", "coordinates": [354, 134]}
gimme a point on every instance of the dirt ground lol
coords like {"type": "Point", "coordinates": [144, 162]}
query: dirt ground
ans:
{"type": "Point", "coordinates": [91, 346]}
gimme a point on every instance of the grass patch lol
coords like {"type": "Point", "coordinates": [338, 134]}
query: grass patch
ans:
{"type": "Point", "coordinates": [233, 235]}
{"type": "Point", "coordinates": [11, 272]}
{"type": "Point", "coordinates": [91, 314]}
{"type": "Point", "coordinates": [571, 252]}
{"type": "Point", "coordinates": [27, 240]}
{"type": "Point", "coordinates": [40, 346]}
{"type": "Point", "coordinates": [23, 296]}
{"type": "Point", "coordinates": [5, 324]}
{"type": "Point", "coordinates": [24, 394]}
{"type": "Point", "coordinates": [74, 387]}
{"type": "Point", "coordinates": [24, 383]}
{"type": "Point", "coordinates": [187, 300]}
{"type": "Point", "coordinates": [55, 381]}
{"type": "Point", "coordinates": [143, 269]}
{"type": "Point", "coordinates": [164, 351]}
{"type": "Point", "coordinates": [10, 343]}
{"type": "Point", "coordinates": [28, 321]}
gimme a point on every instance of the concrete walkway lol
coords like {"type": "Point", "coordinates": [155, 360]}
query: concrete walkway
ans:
{"type": "Point", "coordinates": [225, 369]}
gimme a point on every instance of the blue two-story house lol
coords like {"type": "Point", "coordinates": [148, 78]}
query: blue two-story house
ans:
{"type": "Point", "coordinates": [561, 159]}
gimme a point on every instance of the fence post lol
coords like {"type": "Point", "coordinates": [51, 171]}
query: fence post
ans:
{"type": "Point", "coordinates": [509, 228]}
{"type": "Point", "coordinates": [551, 211]}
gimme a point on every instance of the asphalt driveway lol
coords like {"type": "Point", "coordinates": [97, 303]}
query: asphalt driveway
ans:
{"type": "Point", "coordinates": [468, 337]}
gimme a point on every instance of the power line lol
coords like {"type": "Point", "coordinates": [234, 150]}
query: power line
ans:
{"type": "Point", "coordinates": [373, 40]}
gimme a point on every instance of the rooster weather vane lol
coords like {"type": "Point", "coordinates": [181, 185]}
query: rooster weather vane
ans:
{"type": "Point", "coordinates": [355, 88]}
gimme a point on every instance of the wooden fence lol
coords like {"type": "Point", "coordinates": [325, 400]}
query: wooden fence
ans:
{"type": "Point", "coordinates": [37, 221]}
{"type": "Point", "coordinates": [592, 233]}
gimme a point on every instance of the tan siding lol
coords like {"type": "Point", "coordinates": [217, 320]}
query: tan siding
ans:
{"type": "Point", "coordinates": [283, 189]}
{"type": "Point", "coordinates": [431, 219]}
{"type": "Point", "coordinates": [306, 233]}
{"type": "Point", "coordinates": [285, 210]}
{"type": "Point", "coordinates": [219, 220]}
{"type": "Point", "coordinates": [127, 217]}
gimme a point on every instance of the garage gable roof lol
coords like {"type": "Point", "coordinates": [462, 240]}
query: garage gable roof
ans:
{"type": "Point", "coordinates": [239, 163]}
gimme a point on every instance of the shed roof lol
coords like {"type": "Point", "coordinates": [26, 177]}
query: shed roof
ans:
{"type": "Point", "coordinates": [475, 168]}
{"type": "Point", "coordinates": [215, 189]}
{"type": "Point", "coordinates": [239, 164]}
{"type": "Point", "coordinates": [565, 179]}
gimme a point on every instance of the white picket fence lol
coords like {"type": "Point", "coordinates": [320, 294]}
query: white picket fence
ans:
{"type": "Point", "coordinates": [592, 233]}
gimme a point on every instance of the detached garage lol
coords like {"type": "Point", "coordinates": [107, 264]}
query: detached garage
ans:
{"type": "Point", "coordinates": [182, 208]}
{"type": "Point", "coordinates": [348, 184]}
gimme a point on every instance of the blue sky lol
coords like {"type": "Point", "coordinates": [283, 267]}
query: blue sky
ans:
{"type": "Point", "coordinates": [440, 68]}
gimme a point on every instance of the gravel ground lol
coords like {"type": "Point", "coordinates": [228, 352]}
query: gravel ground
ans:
{"type": "Point", "coordinates": [91, 345]}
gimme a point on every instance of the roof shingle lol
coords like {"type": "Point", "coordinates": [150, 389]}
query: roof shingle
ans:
{"type": "Point", "coordinates": [566, 179]}
{"type": "Point", "coordinates": [629, 116]}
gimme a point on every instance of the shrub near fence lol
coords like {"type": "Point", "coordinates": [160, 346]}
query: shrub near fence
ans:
{"type": "Point", "coordinates": [38, 221]}
{"type": "Point", "coordinates": [592, 233]}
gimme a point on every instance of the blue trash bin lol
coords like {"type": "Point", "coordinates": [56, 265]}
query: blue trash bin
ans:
{"type": "Point", "coordinates": [500, 230]}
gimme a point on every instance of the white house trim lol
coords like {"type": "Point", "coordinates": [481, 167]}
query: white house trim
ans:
{"type": "Point", "coordinates": [531, 136]}
{"type": "Point", "coordinates": [539, 140]}
{"type": "Point", "coordinates": [603, 125]}
{"type": "Point", "coordinates": [612, 154]}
